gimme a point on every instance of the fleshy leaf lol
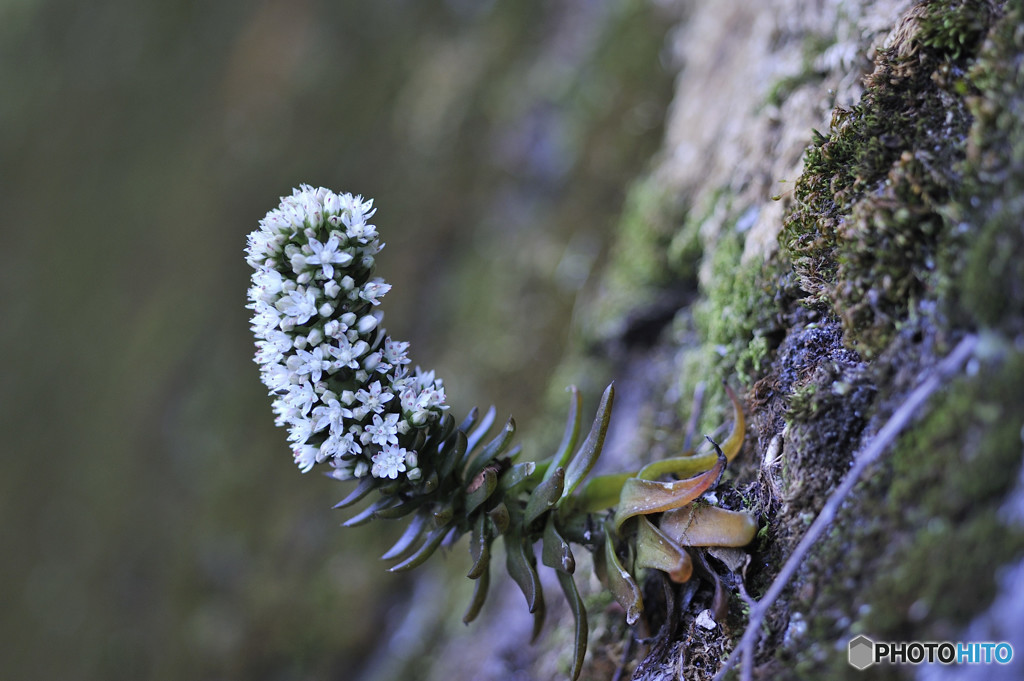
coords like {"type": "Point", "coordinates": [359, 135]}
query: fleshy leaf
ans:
{"type": "Point", "coordinates": [555, 551]}
{"type": "Point", "coordinates": [421, 554]}
{"type": "Point", "coordinates": [579, 613]}
{"type": "Point", "coordinates": [407, 540]}
{"type": "Point", "coordinates": [538, 617]}
{"type": "Point", "coordinates": [400, 509]}
{"type": "Point", "coordinates": [438, 437]}
{"type": "Point", "coordinates": [700, 525]}
{"type": "Point", "coordinates": [687, 465]}
{"type": "Point", "coordinates": [586, 457]}
{"type": "Point", "coordinates": [370, 512]}
{"type": "Point", "coordinates": [443, 516]}
{"type": "Point", "coordinates": [655, 550]}
{"type": "Point", "coordinates": [480, 432]}
{"type": "Point", "coordinates": [451, 454]}
{"type": "Point", "coordinates": [516, 474]}
{"type": "Point", "coordinates": [481, 488]}
{"type": "Point", "coordinates": [544, 496]}
{"type": "Point", "coordinates": [483, 582]}
{"type": "Point", "coordinates": [599, 493]}
{"type": "Point", "coordinates": [620, 582]}
{"type": "Point", "coordinates": [479, 546]}
{"type": "Point", "coordinates": [493, 449]}
{"type": "Point", "coordinates": [521, 566]}
{"type": "Point", "coordinates": [470, 419]}
{"type": "Point", "coordinates": [364, 487]}
{"type": "Point", "coordinates": [731, 447]}
{"type": "Point", "coordinates": [572, 433]}
{"type": "Point", "coordinates": [500, 518]}
{"type": "Point", "coordinates": [640, 497]}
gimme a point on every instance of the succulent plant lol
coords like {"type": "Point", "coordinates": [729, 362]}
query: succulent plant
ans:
{"type": "Point", "coordinates": [345, 391]}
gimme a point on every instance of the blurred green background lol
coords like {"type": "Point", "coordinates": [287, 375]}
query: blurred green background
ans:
{"type": "Point", "coordinates": [154, 526]}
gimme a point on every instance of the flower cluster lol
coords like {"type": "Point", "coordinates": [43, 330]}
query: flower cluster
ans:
{"type": "Point", "coordinates": [341, 385]}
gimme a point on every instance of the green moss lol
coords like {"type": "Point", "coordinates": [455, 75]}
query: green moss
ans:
{"type": "Point", "coordinates": [954, 28]}
{"type": "Point", "coordinates": [985, 257]}
{"type": "Point", "coordinates": [868, 223]}
{"type": "Point", "coordinates": [738, 315]}
{"type": "Point", "coordinates": [923, 539]}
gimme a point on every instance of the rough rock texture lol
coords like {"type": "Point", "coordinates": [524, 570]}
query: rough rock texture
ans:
{"type": "Point", "coordinates": [834, 206]}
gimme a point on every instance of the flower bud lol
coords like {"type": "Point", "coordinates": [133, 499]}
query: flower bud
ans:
{"type": "Point", "coordinates": [367, 324]}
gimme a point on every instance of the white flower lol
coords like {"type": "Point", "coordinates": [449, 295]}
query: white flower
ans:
{"type": "Point", "coordinates": [346, 354]}
{"type": "Point", "coordinates": [301, 396]}
{"type": "Point", "coordinates": [395, 352]}
{"type": "Point", "coordinates": [373, 290]}
{"type": "Point", "coordinates": [374, 397]}
{"type": "Point", "coordinates": [305, 456]}
{"type": "Point", "coordinates": [327, 255]}
{"type": "Point", "coordinates": [383, 431]}
{"type": "Point", "coordinates": [311, 364]}
{"type": "Point", "coordinates": [389, 462]}
{"type": "Point", "coordinates": [331, 415]}
{"type": "Point", "coordinates": [299, 305]}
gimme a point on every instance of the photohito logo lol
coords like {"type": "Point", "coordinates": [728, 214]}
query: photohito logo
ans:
{"type": "Point", "coordinates": [863, 652]}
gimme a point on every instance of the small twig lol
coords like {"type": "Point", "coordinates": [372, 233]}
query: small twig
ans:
{"type": "Point", "coordinates": [900, 419]}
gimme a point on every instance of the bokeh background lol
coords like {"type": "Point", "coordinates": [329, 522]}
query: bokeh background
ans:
{"type": "Point", "coordinates": [153, 524]}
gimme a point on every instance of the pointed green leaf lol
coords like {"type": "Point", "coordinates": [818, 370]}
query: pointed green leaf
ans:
{"type": "Point", "coordinates": [555, 551]}
{"type": "Point", "coordinates": [421, 554]}
{"type": "Point", "coordinates": [599, 493]}
{"type": "Point", "coordinates": [479, 546]}
{"type": "Point", "coordinates": [470, 419]}
{"type": "Point", "coordinates": [429, 483]}
{"type": "Point", "coordinates": [620, 582]}
{"type": "Point", "coordinates": [640, 497]}
{"type": "Point", "coordinates": [579, 613]}
{"type": "Point", "coordinates": [544, 497]}
{"type": "Point", "coordinates": [480, 432]}
{"type": "Point", "coordinates": [483, 582]}
{"type": "Point", "coordinates": [451, 454]}
{"type": "Point", "coordinates": [655, 550]}
{"type": "Point", "coordinates": [480, 489]}
{"type": "Point", "coordinates": [732, 445]}
{"type": "Point", "coordinates": [571, 435]}
{"type": "Point", "coordinates": [370, 512]}
{"type": "Point", "coordinates": [685, 466]}
{"type": "Point", "coordinates": [493, 449]}
{"type": "Point", "coordinates": [444, 428]}
{"type": "Point", "coordinates": [399, 510]}
{"type": "Point", "coordinates": [538, 616]}
{"type": "Point", "coordinates": [443, 516]}
{"type": "Point", "coordinates": [700, 525]}
{"type": "Point", "coordinates": [516, 474]}
{"type": "Point", "coordinates": [521, 564]}
{"type": "Point", "coordinates": [586, 457]}
{"type": "Point", "coordinates": [365, 486]}
{"type": "Point", "coordinates": [407, 540]}
{"type": "Point", "coordinates": [500, 518]}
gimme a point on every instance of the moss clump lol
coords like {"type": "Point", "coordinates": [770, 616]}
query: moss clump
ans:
{"type": "Point", "coordinates": [924, 536]}
{"type": "Point", "coordinates": [739, 315]}
{"type": "Point", "coordinates": [954, 28]}
{"type": "Point", "coordinates": [990, 236]}
{"type": "Point", "coordinates": [867, 226]}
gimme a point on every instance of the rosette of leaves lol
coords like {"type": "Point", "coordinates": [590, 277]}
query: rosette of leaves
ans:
{"type": "Point", "coordinates": [342, 387]}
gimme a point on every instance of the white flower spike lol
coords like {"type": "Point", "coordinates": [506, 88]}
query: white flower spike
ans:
{"type": "Point", "coordinates": [320, 343]}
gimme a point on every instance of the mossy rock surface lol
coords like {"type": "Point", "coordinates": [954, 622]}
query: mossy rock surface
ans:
{"type": "Point", "coordinates": [898, 238]}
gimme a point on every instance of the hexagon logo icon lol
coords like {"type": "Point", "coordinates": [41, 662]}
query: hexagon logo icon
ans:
{"type": "Point", "coordinates": [862, 652]}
